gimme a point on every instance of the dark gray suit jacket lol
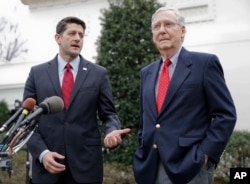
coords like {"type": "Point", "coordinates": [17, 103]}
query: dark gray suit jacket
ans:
{"type": "Point", "coordinates": [73, 133]}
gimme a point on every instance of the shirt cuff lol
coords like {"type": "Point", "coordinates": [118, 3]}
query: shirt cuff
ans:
{"type": "Point", "coordinates": [42, 154]}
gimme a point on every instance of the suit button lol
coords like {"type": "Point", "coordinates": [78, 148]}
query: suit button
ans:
{"type": "Point", "coordinates": [155, 146]}
{"type": "Point", "coordinates": [157, 125]}
{"type": "Point", "coordinates": [66, 123]}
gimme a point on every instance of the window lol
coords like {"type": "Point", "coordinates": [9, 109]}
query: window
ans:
{"type": "Point", "coordinates": [195, 10]}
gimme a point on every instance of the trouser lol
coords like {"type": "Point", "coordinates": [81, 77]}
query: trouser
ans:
{"type": "Point", "coordinates": [204, 176]}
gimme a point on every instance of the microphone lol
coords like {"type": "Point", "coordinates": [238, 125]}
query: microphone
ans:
{"type": "Point", "coordinates": [11, 119]}
{"type": "Point", "coordinates": [27, 105]}
{"type": "Point", "coordinates": [50, 105]}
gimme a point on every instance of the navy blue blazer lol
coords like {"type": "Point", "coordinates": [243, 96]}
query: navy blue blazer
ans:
{"type": "Point", "coordinates": [197, 118]}
{"type": "Point", "coordinates": [73, 133]}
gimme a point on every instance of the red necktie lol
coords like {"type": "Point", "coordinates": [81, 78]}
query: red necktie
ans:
{"type": "Point", "coordinates": [67, 85]}
{"type": "Point", "coordinates": [162, 85]}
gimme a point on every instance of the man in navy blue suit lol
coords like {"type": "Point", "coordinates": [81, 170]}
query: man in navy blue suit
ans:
{"type": "Point", "coordinates": [183, 142]}
{"type": "Point", "coordinates": [67, 148]}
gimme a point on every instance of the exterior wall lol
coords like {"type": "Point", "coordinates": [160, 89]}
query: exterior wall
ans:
{"type": "Point", "coordinates": [228, 36]}
{"type": "Point", "coordinates": [219, 27]}
{"type": "Point", "coordinates": [39, 29]}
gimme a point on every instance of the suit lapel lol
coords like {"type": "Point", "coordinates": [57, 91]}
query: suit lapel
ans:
{"type": "Point", "coordinates": [52, 70]}
{"type": "Point", "coordinates": [151, 80]}
{"type": "Point", "coordinates": [83, 70]}
{"type": "Point", "coordinates": [181, 72]}
{"type": "Point", "coordinates": [81, 76]}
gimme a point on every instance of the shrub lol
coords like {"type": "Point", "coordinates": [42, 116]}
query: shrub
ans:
{"type": "Point", "coordinates": [236, 154]}
{"type": "Point", "coordinates": [124, 47]}
{"type": "Point", "coordinates": [4, 112]}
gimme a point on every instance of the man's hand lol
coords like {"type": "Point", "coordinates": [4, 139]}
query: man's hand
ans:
{"type": "Point", "coordinates": [50, 163]}
{"type": "Point", "coordinates": [114, 138]}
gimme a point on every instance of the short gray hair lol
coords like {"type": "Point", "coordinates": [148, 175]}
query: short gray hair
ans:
{"type": "Point", "coordinates": [179, 18]}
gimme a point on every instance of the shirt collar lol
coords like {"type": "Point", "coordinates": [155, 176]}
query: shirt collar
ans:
{"type": "Point", "coordinates": [74, 63]}
{"type": "Point", "coordinates": [174, 58]}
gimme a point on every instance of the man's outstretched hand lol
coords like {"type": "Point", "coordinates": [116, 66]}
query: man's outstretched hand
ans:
{"type": "Point", "coordinates": [114, 138]}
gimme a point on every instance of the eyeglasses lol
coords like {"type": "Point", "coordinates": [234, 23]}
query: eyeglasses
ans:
{"type": "Point", "coordinates": [166, 26]}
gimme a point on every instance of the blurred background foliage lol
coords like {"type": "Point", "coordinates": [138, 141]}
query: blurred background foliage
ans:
{"type": "Point", "coordinates": [4, 112]}
{"type": "Point", "coordinates": [124, 47]}
{"type": "Point", "coordinates": [236, 154]}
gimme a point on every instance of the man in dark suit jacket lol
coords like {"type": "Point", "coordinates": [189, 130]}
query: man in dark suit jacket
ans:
{"type": "Point", "coordinates": [67, 148]}
{"type": "Point", "coordinates": [183, 142]}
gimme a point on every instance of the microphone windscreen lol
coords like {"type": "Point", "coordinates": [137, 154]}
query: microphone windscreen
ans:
{"type": "Point", "coordinates": [29, 104]}
{"type": "Point", "coordinates": [52, 105]}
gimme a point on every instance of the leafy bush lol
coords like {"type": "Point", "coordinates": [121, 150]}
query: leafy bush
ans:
{"type": "Point", "coordinates": [236, 154]}
{"type": "Point", "coordinates": [4, 112]}
{"type": "Point", "coordinates": [124, 47]}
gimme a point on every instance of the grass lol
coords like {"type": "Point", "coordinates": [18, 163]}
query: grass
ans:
{"type": "Point", "coordinates": [18, 175]}
{"type": "Point", "coordinates": [114, 173]}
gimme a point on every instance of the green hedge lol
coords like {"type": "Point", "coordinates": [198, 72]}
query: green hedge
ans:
{"type": "Point", "coordinates": [236, 154]}
{"type": "Point", "coordinates": [4, 112]}
{"type": "Point", "coordinates": [124, 47]}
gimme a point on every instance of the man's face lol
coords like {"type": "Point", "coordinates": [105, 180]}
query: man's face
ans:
{"type": "Point", "coordinates": [71, 40]}
{"type": "Point", "coordinates": [167, 33]}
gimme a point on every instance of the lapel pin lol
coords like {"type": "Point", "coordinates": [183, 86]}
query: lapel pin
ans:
{"type": "Point", "coordinates": [84, 68]}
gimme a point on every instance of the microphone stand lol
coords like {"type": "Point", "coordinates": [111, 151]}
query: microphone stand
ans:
{"type": "Point", "coordinates": [19, 134]}
{"type": "Point", "coordinates": [14, 143]}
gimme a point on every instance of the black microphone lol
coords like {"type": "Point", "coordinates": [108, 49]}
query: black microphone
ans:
{"type": "Point", "coordinates": [11, 120]}
{"type": "Point", "coordinates": [27, 106]}
{"type": "Point", "coordinates": [50, 105]}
